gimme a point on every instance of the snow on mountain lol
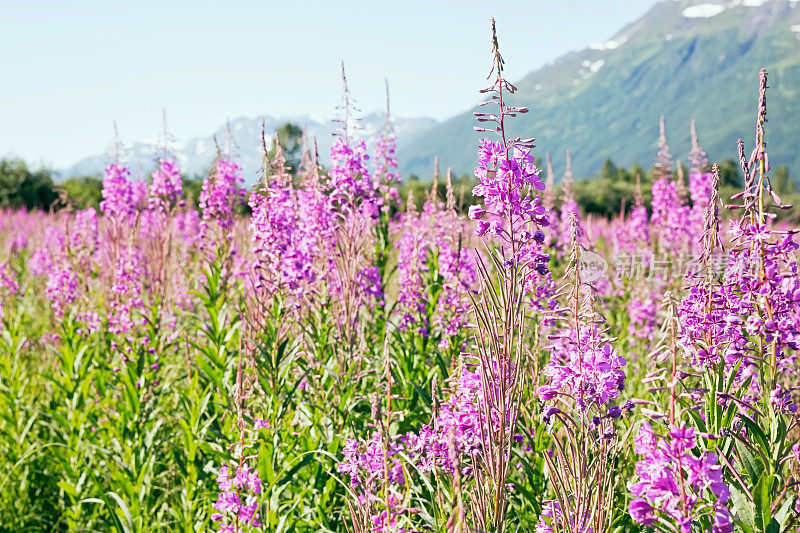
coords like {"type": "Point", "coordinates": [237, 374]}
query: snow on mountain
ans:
{"type": "Point", "coordinates": [684, 58]}
{"type": "Point", "coordinates": [703, 11]}
{"type": "Point", "coordinates": [195, 155]}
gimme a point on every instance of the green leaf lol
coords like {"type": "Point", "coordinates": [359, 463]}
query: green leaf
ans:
{"type": "Point", "coordinates": [744, 509]}
{"type": "Point", "coordinates": [762, 501]}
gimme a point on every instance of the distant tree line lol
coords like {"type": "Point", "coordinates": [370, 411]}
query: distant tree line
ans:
{"type": "Point", "coordinates": [606, 193]}
{"type": "Point", "coordinates": [612, 189]}
{"type": "Point", "coordinates": [23, 187]}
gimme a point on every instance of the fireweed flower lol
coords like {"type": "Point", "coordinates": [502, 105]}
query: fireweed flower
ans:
{"type": "Point", "coordinates": [781, 400]}
{"type": "Point", "coordinates": [460, 275]}
{"type": "Point", "coordinates": [509, 215]}
{"type": "Point", "coordinates": [765, 272]}
{"type": "Point", "coordinates": [665, 203]}
{"type": "Point", "coordinates": [375, 466]}
{"type": "Point", "coordinates": [714, 318]}
{"type": "Point", "coordinates": [412, 268]}
{"type": "Point", "coordinates": [675, 484]}
{"type": "Point", "coordinates": [356, 201]}
{"type": "Point", "coordinates": [238, 500]}
{"type": "Point", "coordinates": [167, 186]}
{"type": "Point", "coordinates": [510, 222]}
{"type": "Point", "coordinates": [52, 253]}
{"type": "Point", "coordinates": [127, 303]}
{"type": "Point", "coordinates": [642, 312]}
{"type": "Point", "coordinates": [84, 230]}
{"type": "Point", "coordinates": [430, 247]}
{"type": "Point", "coordinates": [670, 214]}
{"type": "Point", "coordinates": [90, 322]}
{"type": "Point", "coordinates": [318, 217]}
{"type": "Point", "coordinates": [633, 235]}
{"type": "Point", "coordinates": [140, 194]}
{"type": "Point", "coordinates": [586, 368]}
{"type": "Point", "coordinates": [301, 233]}
{"type": "Point", "coordinates": [152, 225]}
{"type": "Point", "coordinates": [370, 286]}
{"type": "Point", "coordinates": [351, 186]}
{"type": "Point", "coordinates": [503, 176]}
{"type": "Point", "coordinates": [40, 262]}
{"type": "Point", "coordinates": [9, 287]}
{"type": "Point", "coordinates": [385, 173]}
{"type": "Point", "coordinates": [187, 224]}
{"type": "Point", "coordinates": [284, 250]}
{"type": "Point", "coordinates": [118, 195]}
{"type": "Point", "coordinates": [459, 419]}
{"type": "Point", "coordinates": [586, 376]}
{"type": "Point", "coordinates": [364, 463]}
{"type": "Point", "coordinates": [762, 265]}
{"type": "Point", "coordinates": [220, 196]}
{"type": "Point", "coordinates": [712, 314]}
{"type": "Point", "coordinates": [62, 289]}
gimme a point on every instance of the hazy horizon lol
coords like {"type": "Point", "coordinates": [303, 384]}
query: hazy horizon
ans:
{"type": "Point", "coordinates": [75, 68]}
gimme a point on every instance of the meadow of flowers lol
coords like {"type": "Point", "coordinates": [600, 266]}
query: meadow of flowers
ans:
{"type": "Point", "coordinates": [328, 360]}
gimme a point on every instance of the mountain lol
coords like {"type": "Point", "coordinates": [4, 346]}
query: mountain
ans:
{"type": "Point", "coordinates": [683, 59]}
{"type": "Point", "coordinates": [195, 156]}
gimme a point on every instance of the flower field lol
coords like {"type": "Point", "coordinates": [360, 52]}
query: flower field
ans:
{"type": "Point", "coordinates": [316, 353]}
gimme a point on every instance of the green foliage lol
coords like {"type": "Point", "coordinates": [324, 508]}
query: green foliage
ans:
{"type": "Point", "coordinates": [23, 187]}
{"type": "Point", "coordinates": [291, 137]}
{"type": "Point", "coordinates": [421, 190]}
{"type": "Point", "coordinates": [703, 71]}
{"type": "Point", "coordinates": [83, 192]}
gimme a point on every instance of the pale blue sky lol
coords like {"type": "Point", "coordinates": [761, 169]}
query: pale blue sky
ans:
{"type": "Point", "coordinates": [68, 68]}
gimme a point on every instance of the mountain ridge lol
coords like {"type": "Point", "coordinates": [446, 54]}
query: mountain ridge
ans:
{"type": "Point", "coordinates": [684, 59]}
{"type": "Point", "coordinates": [196, 155]}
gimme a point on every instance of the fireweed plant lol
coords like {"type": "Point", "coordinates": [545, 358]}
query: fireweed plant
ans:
{"type": "Point", "coordinates": [311, 354]}
{"type": "Point", "coordinates": [509, 222]}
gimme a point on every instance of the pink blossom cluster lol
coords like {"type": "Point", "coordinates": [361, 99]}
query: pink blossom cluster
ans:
{"type": "Point", "coordinates": [220, 196]}
{"type": "Point", "coordinates": [676, 484]}
{"type": "Point", "coordinates": [127, 297]}
{"type": "Point", "coordinates": [167, 186]}
{"type": "Point", "coordinates": [503, 181]}
{"type": "Point", "coordinates": [585, 368]}
{"type": "Point", "coordinates": [61, 290]}
{"type": "Point", "coordinates": [352, 188]}
{"type": "Point", "coordinates": [238, 500]}
{"type": "Point", "coordinates": [285, 242]}
{"type": "Point", "coordinates": [118, 195]}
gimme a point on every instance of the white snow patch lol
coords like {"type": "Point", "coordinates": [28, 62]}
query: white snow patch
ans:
{"type": "Point", "coordinates": [575, 81]}
{"type": "Point", "coordinates": [610, 44]}
{"type": "Point", "coordinates": [795, 28]}
{"type": "Point", "coordinates": [668, 37]}
{"type": "Point", "coordinates": [586, 63]}
{"type": "Point", "coordinates": [238, 126]}
{"type": "Point", "coordinates": [537, 87]}
{"type": "Point", "coordinates": [597, 65]}
{"type": "Point", "coordinates": [201, 147]}
{"type": "Point", "coordinates": [754, 3]}
{"type": "Point", "coordinates": [703, 11]}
